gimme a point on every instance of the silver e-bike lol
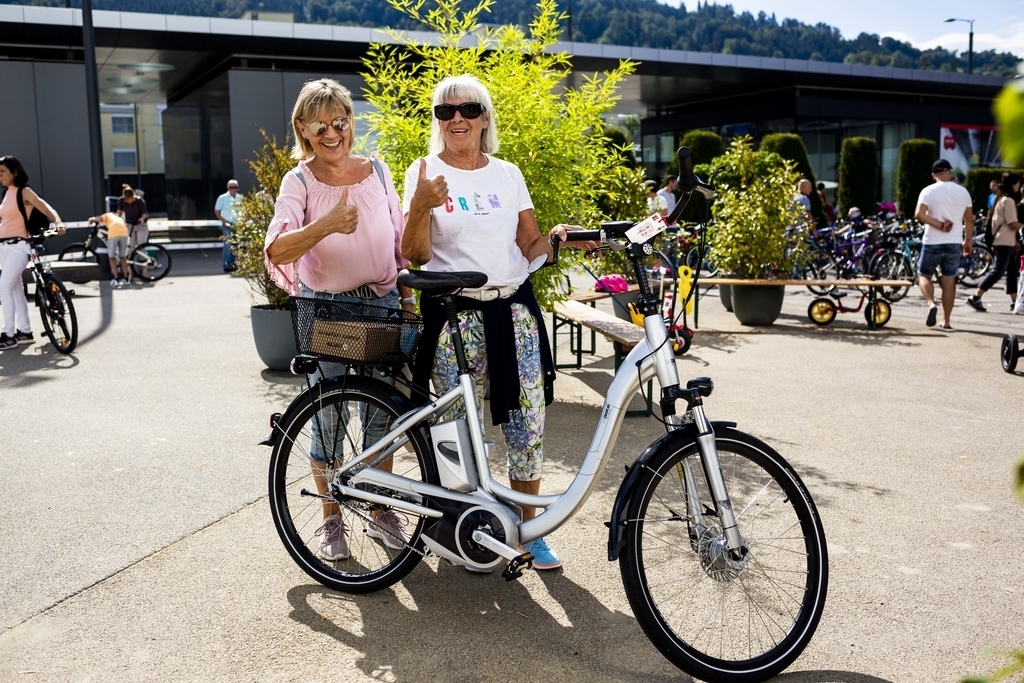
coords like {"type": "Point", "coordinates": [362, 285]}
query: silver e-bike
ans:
{"type": "Point", "coordinates": [721, 549]}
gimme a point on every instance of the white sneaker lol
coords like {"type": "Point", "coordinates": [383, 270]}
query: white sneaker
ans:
{"type": "Point", "coordinates": [113, 283]}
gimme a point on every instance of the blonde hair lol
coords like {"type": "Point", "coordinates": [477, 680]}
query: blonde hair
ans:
{"type": "Point", "coordinates": [470, 89]}
{"type": "Point", "coordinates": [127, 191]}
{"type": "Point", "coordinates": [316, 97]}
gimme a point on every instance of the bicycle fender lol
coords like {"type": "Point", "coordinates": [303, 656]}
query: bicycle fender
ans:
{"type": "Point", "coordinates": [617, 524]}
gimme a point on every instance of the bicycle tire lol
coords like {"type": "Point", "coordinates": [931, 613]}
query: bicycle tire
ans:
{"type": "Point", "coordinates": [1009, 353]}
{"type": "Point", "coordinates": [154, 258]}
{"type": "Point", "coordinates": [76, 252]}
{"type": "Point", "coordinates": [893, 265]}
{"type": "Point", "coordinates": [60, 323]}
{"type": "Point", "coordinates": [821, 311]}
{"type": "Point", "coordinates": [883, 312]}
{"type": "Point", "coordinates": [825, 267]}
{"type": "Point", "coordinates": [297, 514]}
{"type": "Point", "coordinates": [981, 262]}
{"type": "Point", "coordinates": [780, 523]}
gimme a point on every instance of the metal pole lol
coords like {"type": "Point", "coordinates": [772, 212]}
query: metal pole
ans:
{"type": "Point", "coordinates": [138, 151]}
{"type": "Point", "coordinates": [92, 97]}
{"type": "Point", "coordinates": [970, 50]}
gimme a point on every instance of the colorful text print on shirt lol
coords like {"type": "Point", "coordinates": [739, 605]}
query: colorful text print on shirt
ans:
{"type": "Point", "coordinates": [478, 203]}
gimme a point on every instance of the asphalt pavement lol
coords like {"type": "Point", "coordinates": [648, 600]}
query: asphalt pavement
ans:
{"type": "Point", "coordinates": [136, 542]}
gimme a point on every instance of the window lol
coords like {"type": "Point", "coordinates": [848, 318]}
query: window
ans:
{"type": "Point", "coordinates": [124, 158]}
{"type": "Point", "coordinates": [161, 144]}
{"type": "Point", "coordinates": [160, 114]}
{"type": "Point", "coordinates": [123, 124]}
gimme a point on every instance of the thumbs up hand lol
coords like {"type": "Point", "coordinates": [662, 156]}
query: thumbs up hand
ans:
{"type": "Point", "coordinates": [430, 192]}
{"type": "Point", "coordinates": [343, 218]}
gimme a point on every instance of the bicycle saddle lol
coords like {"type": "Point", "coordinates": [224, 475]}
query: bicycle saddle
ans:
{"type": "Point", "coordinates": [441, 284]}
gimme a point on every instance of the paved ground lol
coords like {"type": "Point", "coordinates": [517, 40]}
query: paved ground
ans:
{"type": "Point", "coordinates": [136, 543]}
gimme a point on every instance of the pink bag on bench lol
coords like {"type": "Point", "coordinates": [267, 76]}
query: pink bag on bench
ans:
{"type": "Point", "coordinates": [613, 284]}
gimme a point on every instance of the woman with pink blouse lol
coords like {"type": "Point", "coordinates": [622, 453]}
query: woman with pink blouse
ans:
{"type": "Point", "coordinates": [336, 235]}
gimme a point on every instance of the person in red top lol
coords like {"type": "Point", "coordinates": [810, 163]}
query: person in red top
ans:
{"type": "Point", "coordinates": [15, 249]}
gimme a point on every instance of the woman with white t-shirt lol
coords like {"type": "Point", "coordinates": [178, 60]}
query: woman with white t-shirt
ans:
{"type": "Point", "coordinates": [469, 211]}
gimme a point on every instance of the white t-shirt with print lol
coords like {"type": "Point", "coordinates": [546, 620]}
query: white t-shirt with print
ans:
{"type": "Point", "coordinates": [475, 229]}
{"type": "Point", "coordinates": [946, 201]}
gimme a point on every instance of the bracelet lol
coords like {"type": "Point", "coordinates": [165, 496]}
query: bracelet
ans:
{"type": "Point", "coordinates": [407, 300]}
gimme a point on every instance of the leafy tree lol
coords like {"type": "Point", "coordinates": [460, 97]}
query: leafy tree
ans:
{"type": "Point", "coordinates": [255, 212]}
{"type": "Point", "coordinates": [753, 209]}
{"type": "Point", "coordinates": [858, 175]}
{"type": "Point", "coordinates": [1009, 112]}
{"type": "Point", "coordinates": [547, 131]}
{"type": "Point", "coordinates": [913, 173]}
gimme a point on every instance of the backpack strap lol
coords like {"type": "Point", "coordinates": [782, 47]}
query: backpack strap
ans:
{"type": "Point", "coordinates": [298, 171]}
{"type": "Point", "coordinates": [21, 205]}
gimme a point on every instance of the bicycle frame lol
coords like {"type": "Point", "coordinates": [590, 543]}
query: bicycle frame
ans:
{"type": "Point", "coordinates": [652, 356]}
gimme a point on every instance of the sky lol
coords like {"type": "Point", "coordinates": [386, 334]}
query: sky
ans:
{"type": "Point", "coordinates": [998, 25]}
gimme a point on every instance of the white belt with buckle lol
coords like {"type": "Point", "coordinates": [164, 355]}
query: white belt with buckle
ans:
{"type": "Point", "coordinates": [490, 293]}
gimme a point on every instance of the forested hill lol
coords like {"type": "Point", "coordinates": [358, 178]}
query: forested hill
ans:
{"type": "Point", "coordinates": [640, 23]}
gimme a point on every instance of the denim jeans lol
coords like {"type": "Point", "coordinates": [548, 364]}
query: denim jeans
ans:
{"type": "Point", "coordinates": [227, 257]}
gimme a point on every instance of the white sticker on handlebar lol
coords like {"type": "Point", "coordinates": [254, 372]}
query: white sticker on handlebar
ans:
{"type": "Point", "coordinates": [646, 229]}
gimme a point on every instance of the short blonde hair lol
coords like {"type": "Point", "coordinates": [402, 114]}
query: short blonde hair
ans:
{"type": "Point", "coordinates": [470, 89]}
{"type": "Point", "coordinates": [317, 97]}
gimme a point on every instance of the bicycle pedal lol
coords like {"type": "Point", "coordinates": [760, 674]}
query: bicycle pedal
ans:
{"type": "Point", "coordinates": [514, 568]}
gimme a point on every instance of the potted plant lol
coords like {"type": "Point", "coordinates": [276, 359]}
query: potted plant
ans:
{"type": "Point", "coordinates": [271, 321]}
{"type": "Point", "coordinates": [753, 211]}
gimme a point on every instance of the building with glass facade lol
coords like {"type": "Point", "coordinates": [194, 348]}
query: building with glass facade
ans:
{"type": "Point", "coordinates": [216, 83]}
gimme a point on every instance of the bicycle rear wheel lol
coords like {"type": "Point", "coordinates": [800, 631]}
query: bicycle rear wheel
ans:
{"type": "Point", "coordinates": [715, 618]}
{"type": "Point", "coordinates": [822, 266]}
{"type": "Point", "coordinates": [350, 414]}
{"type": "Point", "coordinates": [77, 252]}
{"type": "Point", "coordinates": [893, 265]}
{"type": "Point", "coordinates": [58, 313]}
{"type": "Point", "coordinates": [150, 262]}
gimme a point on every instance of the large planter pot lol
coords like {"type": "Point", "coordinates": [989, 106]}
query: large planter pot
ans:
{"type": "Point", "coordinates": [275, 340]}
{"type": "Point", "coordinates": [757, 304]}
{"type": "Point", "coordinates": [725, 294]}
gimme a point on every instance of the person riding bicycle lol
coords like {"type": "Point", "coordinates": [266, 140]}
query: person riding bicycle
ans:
{"type": "Point", "coordinates": [335, 235]}
{"type": "Point", "coordinates": [467, 210]}
{"type": "Point", "coordinates": [132, 208]}
{"type": "Point", "coordinates": [15, 249]}
{"type": "Point", "coordinates": [117, 246]}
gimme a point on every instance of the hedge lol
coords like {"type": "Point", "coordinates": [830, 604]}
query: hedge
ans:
{"type": "Point", "coordinates": [913, 172]}
{"type": "Point", "coordinates": [977, 184]}
{"type": "Point", "coordinates": [791, 146]}
{"type": "Point", "coordinates": [858, 175]}
{"type": "Point", "coordinates": [704, 146]}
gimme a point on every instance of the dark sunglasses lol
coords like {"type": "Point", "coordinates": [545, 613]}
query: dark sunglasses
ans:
{"type": "Point", "coordinates": [468, 110]}
{"type": "Point", "coordinates": [318, 128]}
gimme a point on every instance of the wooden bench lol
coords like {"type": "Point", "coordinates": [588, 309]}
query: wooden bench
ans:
{"type": "Point", "coordinates": [623, 334]}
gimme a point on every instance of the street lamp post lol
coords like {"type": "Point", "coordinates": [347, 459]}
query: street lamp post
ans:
{"type": "Point", "coordinates": [970, 44]}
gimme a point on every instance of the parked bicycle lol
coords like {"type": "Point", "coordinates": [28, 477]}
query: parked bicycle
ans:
{"type": "Point", "coordinates": [52, 298]}
{"type": "Point", "coordinates": [721, 549]}
{"type": "Point", "coordinates": [150, 262]}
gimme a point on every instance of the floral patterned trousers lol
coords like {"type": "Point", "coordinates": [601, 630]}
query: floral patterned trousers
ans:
{"type": "Point", "coordinates": [524, 431]}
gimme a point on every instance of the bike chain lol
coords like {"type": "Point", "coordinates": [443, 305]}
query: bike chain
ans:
{"type": "Point", "coordinates": [369, 520]}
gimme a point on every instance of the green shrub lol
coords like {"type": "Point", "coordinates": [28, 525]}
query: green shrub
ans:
{"type": "Point", "coordinates": [753, 209]}
{"type": "Point", "coordinates": [705, 146]}
{"type": "Point", "coordinates": [977, 182]}
{"type": "Point", "coordinates": [255, 212]}
{"type": "Point", "coordinates": [858, 175]}
{"type": "Point", "coordinates": [546, 129]}
{"type": "Point", "coordinates": [791, 146]}
{"type": "Point", "coordinates": [913, 173]}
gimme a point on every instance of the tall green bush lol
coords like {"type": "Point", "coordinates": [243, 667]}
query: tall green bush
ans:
{"type": "Point", "coordinates": [791, 146]}
{"type": "Point", "coordinates": [547, 131]}
{"type": "Point", "coordinates": [913, 172]}
{"type": "Point", "coordinates": [705, 146]}
{"type": "Point", "coordinates": [858, 175]}
{"type": "Point", "coordinates": [977, 182]}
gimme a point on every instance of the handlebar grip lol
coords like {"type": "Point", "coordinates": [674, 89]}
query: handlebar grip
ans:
{"type": "Point", "coordinates": [586, 235]}
{"type": "Point", "coordinates": [687, 181]}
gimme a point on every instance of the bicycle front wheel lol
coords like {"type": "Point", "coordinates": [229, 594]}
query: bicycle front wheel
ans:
{"type": "Point", "coordinates": [717, 618]}
{"type": "Point", "coordinates": [326, 427]}
{"type": "Point", "coordinates": [58, 313]}
{"type": "Point", "coordinates": [150, 262]}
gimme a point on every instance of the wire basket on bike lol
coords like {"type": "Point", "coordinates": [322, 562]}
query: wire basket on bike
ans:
{"type": "Point", "coordinates": [355, 333]}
